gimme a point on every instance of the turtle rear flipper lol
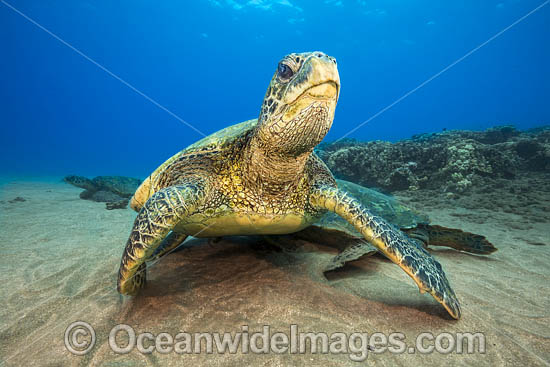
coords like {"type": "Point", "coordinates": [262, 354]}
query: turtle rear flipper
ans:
{"type": "Point", "coordinates": [454, 238]}
{"type": "Point", "coordinates": [350, 247]}
{"type": "Point", "coordinates": [354, 251]}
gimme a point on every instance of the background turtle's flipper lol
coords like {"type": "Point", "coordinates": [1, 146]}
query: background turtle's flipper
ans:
{"type": "Point", "coordinates": [394, 244]}
{"type": "Point", "coordinates": [155, 220]}
{"type": "Point", "coordinates": [455, 238]}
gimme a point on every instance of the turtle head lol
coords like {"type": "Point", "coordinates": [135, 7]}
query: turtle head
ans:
{"type": "Point", "coordinates": [298, 108]}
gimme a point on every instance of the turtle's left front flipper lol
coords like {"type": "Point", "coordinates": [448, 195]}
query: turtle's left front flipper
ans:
{"type": "Point", "coordinates": [394, 244]}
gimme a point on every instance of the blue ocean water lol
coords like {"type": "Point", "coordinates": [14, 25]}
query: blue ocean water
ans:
{"type": "Point", "coordinates": [210, 62]}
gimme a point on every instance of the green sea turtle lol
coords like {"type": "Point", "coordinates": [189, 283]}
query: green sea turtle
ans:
{"type": "Point", "coordinates": [334, 230]}
{"type": "Point", "coordinates": [261, 177]}
{"type": "Point", "coordinates": [115, 191]}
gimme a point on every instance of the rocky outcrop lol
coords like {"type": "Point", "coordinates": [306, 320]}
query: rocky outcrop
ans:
{"type": "Point", "coordinates": [452, 161]}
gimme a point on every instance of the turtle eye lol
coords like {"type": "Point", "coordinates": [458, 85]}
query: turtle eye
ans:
{"type": "Point", "coordinates": [284, 71]}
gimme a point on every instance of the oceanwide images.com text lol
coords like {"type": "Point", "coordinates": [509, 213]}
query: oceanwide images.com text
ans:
{"type": "Point", "coordinates": [80, 339]}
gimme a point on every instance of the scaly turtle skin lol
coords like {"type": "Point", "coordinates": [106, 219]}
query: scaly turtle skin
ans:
{"type": "Point", "coordinates": [334, 230]}
{"type": "Point", "coordinates": [262, 177]}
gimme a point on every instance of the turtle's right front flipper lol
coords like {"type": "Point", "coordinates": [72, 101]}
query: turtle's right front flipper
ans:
{"type": "Point", "coordinates": [160, 214]}
{"type": "Point", "coordinates": [394, 244]}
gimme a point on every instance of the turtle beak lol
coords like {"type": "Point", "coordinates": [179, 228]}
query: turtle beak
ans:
{"type": "Point", "coordinates": [325, 72]}
{"type": "Point", "coordinates": [318, 77]}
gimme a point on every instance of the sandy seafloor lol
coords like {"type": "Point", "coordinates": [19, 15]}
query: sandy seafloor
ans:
{"type": "Point", "coordinates": [59, 256]}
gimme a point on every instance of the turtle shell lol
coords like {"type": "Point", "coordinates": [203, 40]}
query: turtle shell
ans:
{"type": "Point", "coordinates": [218, 140]}
{"type": "Point", "coordinates": [119, 185]}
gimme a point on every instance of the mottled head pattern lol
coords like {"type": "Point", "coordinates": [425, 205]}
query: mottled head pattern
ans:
{"type": "Point", "coordinates": [298, 108]}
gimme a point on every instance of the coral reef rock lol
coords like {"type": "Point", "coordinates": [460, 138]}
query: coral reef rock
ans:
{"type": "Point", "coordinates": [452, 161]}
